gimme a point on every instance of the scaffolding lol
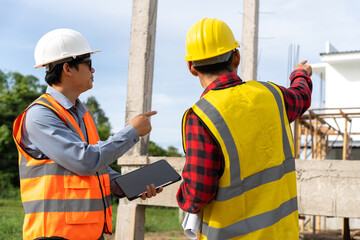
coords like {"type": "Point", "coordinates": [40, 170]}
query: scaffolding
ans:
{"type": "Point", "coordinates": [315, 135]}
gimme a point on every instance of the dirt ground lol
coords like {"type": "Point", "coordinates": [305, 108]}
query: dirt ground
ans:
{"type": "Point", "coordinates": [323, 235]}
{"type": "Point", "coordinates": [168, 235]}
{"type": "Point", "coordinates": [328, 235]}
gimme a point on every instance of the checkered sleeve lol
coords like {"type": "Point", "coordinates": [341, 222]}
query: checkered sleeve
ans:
{"type": "Point", "coordinates": [202, 168]}
{"type": "Point", "coordinates": [297, 97]}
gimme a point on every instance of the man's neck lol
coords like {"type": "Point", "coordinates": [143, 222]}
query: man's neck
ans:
{"type": "Point", "coordinates": [68, 93]}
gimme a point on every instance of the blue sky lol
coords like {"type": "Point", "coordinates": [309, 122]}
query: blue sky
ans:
{"type": "Point", "coordinates": [106, 25]}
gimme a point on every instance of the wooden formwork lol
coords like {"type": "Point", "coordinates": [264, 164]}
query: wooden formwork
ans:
{"type": "Point", "coordinates": [316, 132]}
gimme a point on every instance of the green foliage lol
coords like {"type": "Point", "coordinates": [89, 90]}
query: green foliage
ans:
{"type": "Point", "coordinates": [8, 191]}
{"type": "Point", "coordinates": [16, 93]}
{"type": "Point", "coordinates": [155, 150]}
{"type": "Point", "coordinates": [102, 122]}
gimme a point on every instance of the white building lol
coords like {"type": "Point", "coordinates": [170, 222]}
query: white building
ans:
{"type": "Point", "coordinates": [340, 76]}
{"type": "Point", "coordinates": [339, 73]}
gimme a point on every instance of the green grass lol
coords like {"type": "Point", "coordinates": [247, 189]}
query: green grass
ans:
{"type": "Point", "coordinates": [157, 219]}
{"type": "Point", "coordinates": [11, 219]}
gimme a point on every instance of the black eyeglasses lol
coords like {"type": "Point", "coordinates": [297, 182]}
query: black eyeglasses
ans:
{"type": "Point", "coordinates": [88, 61]}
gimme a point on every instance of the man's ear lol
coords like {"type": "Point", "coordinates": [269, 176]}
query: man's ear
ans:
{"type": "Point", "coordinates": [67, 70]}
{"type": "Point", "coordinates": [192, 69]}
{"type": "Point", "coordinates": [236, 59]}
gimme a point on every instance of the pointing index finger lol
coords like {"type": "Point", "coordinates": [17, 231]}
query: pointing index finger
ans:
{"type": "Point", "coordinates": [303, 62]}
{"type": "Point", "coordinates": [151, 113]}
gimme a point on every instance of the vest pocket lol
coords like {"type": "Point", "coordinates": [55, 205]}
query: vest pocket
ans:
{"type": "Point", "coordinates": [83, 205]}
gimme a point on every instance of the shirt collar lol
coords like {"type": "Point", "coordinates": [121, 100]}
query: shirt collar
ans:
{"type": "Point", "coordinates": [222, 82]}
{"type": "Point", "coordinates": [64, 101]}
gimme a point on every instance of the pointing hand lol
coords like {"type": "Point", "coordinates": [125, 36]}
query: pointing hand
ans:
{"type": "Point", "coordinates": [141, 123]}
{"type": "Point", "coordinates": [303, 65]}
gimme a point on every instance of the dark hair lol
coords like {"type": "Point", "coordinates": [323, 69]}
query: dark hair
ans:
{"type": "Point", "coordinates": [54, 75]}
{"type": "Point", "coordinates": [215, 68]}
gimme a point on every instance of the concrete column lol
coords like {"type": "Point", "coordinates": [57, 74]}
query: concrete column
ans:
{"type": "Point", "coordinates": [131, 224]}
{"type": "Point", "coordinates": [131, 216]}
{"type": "Point", "coordinates": [141, 65]}
{"type": "Point", "coordinates": [249, 44]}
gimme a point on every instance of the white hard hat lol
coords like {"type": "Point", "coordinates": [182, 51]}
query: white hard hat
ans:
{"type": "Point", "coordinates": [60, 44]}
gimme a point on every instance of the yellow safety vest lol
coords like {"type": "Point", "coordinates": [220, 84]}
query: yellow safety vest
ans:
{"type": "Point", "coordinates": [57, 202]}
{"type": "Point", "coordinates": [256, 196]}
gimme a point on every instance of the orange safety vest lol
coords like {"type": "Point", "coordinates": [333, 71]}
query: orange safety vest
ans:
{"type": "Point", "coordinates": [57, 202]}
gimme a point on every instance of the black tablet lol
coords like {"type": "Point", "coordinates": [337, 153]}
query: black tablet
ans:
{"type": "Point", "coordinates": [159, 173]}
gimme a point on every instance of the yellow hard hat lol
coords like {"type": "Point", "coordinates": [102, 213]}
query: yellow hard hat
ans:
{"type": "Point", "coordinates": [208, 38]}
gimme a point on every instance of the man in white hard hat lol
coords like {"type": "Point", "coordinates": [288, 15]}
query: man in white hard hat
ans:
{"type": "Point", "coordinates": [65, 178]}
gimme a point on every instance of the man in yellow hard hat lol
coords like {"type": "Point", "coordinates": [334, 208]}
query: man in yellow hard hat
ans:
{"type": "Point", "coordinates": [65, 178]}
{"type": "Point", "coordinates": [239, 173]}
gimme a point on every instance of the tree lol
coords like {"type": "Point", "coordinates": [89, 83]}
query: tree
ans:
{"type": "Point", "coordinates": [16, 93]}
{"type": "Point", "coordinates": [101, 121]}
{"type": "Point", "coordinates": [155, 150]}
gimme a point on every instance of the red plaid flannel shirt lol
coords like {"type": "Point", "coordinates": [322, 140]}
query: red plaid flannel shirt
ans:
{"type": "Point", "coordinates": [204, 160]}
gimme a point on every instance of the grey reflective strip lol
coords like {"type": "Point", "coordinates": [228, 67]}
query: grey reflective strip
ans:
{"type": "Point", "coordinates": [286, 144]}
{"type": "Point", "coordinates": [60, 205]}
{"type": "Point", "coordinates": [46, 169]}
{"type": "Point", "coordinates": [251, 224]}
{"type": "Point", "coordinates": [67, 121]}
{"type": "Point", "coordinates": [255, 180]}
{"type": "Point", "coordinates": [218, 121]}
{"type": "Point", "coordinates": [41, 170]}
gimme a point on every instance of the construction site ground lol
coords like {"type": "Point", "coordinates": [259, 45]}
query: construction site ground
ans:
{"type": "Point", "coordinates": [307, 235]}
{"type": "Point", "coordinates": [328, 235]}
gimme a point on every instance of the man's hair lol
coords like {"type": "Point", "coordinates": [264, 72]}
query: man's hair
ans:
{"type": "Point", "coordinates": [53, 76]}
{"type": "Point", "coordinates": [215, 68]}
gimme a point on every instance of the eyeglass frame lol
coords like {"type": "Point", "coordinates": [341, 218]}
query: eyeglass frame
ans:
{"type": "Point", "coordinates": [50, 67]}
{"type": "Point", "coordinates": [88, 61]}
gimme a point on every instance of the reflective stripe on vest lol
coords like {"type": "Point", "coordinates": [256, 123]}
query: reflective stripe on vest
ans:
{"type": "Point", "coordinates": [64, 205]}
{"type": "Point", "coordinates": [75, 205]}
{"type": "Point", "coordinates": [251, 224]}
{"type": "Point", "coordinates": [241, 185]}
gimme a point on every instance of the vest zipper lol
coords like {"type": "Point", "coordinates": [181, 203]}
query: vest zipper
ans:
{"type": "Point", "coordinates": [103, 199]}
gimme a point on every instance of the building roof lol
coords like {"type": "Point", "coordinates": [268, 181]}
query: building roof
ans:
{"type": "Point", "coordinates": [344, 52]}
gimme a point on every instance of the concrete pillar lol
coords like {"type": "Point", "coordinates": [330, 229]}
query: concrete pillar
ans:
{"type": "Point", "coordinates": [141, 65]}
{"type": "Point", "coordinates": [131, 216]}
{"type": "Point", "coordinates": [249, 43]}
{"type": "Point", "coordinates": [131, 225]}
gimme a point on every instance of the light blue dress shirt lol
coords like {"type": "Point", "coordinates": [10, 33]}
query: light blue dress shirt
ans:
{"type": "Point", "coordinates": [46, 136]}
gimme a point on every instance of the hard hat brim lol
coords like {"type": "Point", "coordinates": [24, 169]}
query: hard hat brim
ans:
{"type": "Point", "coordinates": [58, 59]}
{"type": "Point", "coordinates": [190, 58]}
